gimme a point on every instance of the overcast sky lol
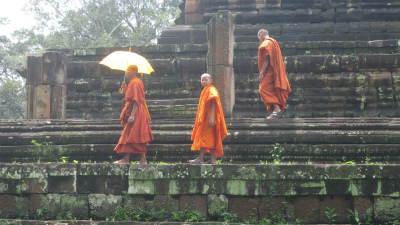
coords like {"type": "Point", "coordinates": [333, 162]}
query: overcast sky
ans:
{"type": "Point", "coordinates": [13, 10]}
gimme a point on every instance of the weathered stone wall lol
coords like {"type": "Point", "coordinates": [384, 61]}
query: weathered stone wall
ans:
{"type": "Point", "coordinates": [334, 85]}
{"type": "Point", "coordinates": [297, 191]}
{"type": "Point", "coordinates": [326, 86]}
{"type": "Point", "coordinates": [288, 20]}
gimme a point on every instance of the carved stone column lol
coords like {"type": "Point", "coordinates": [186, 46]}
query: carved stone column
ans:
{"type": "Point", "coordinates": [220, 58]}
{"type": "Point", "coordinates": [46, 86]}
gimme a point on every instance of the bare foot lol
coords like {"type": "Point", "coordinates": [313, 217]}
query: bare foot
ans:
{"type": "Point", "coordinates": [214, 162]}
{"type": "Point", "coordinates": [122, 161]}
{"type": "Point", "coordinates": [143, 163]}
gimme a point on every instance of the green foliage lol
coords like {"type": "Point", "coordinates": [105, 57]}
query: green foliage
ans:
{"type": "Point", "coordinates": [229, 218]}
{"type": "Point", "coordinates": [86, 24]}
{"type": "Point", "coordinates": [42, 214]}
{"type": "Point", "coordinates": [276, 153]}
{"type": "Point", "coordinates": [12, 102]}
{"type": "Point", "coordinates": [68, 216]}
{"type": "Point", "coordinates": [330, 215]}
{"type": "Point", "coordinates": [307, 53]}
{"type": "Point", "coordinates": [188, 216]}
{"type": "Point", "coordinates": [44, 142]}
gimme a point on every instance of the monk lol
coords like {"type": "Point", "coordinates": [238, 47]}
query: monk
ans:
{"type": "Point", "coordinates": [210, 128]}
{"type": "Point", "coordinates": [135, 119]}
{"type": "Point", "coordinates": [274, 85]}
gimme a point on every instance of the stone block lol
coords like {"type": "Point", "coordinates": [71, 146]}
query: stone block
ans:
{"type": "Point", "coordinates": [10, 179]}
{"type": "Point", "coordinates": [54, 68]}
{"type": "Point", "coordinates": [161, 67]}
{"type": "Point", "coordinates": [217, 204]}
{"type": "Point", "coordinates": [34, 70]}
{"type": "Point", "coordinates": [34, 178]}
{"type": "Point", "coordinates": [322, 28]}
{"type": "Point", "coordinates": [160, 202]}
{"type": "Point", "coordinates": [304, 208]}
{"type": "Point", "coordinates": [14, 207]}
{"type": "Point", "coordinates": [354, 14]}
{"type": "Point", "coordinates": [192, 66]}
{"type": "Point", "coordinates": [103, 206]}
{"type": "Point", "coordinates": [75, 70]}
{"type": "Point", "coordinates": [44, 207]}
{"type": "Point", "coordinates": [244, 207]}
{"type": "Point", "coordinates": [325, 63]}
{"type": "Point", "coordinates": [340, 206]}
{"type": "Point", "coordinates": [58, 102]}
{"type": "Point", "coordinates": [377, 27]}
{"type": "Point", "coordinates": [62, 178]}
{"type": "Point", "coordinates": [393, 26]}
{"type": "Point", "coordinates": [365, 208]}
{"type": "Point", "coordinates": [41, 102]}
{"type": "Point", "coordinates": [220, 40]}
{"type": "Point", "coordinates": [349, 63]}
{"type": "Point", "coordinates": [381, 79]}
{"type": "Point", "coordinates": [75, 205]}
{"type": "Point", "coordinates": [194, 203]}
{"type": "Point", "coordinates": [91, 69]}
{"type": "Point", "coordinates": [386, 208]}
{"type": "Point", "coordinates": [328, 15]}
{"type": "Point", "coordinates": [102, 179]}
{"type": "Point", "coordinates": [193, 18]}
{"type": "Point", "coordinates": [133, 203]}
{"type": "Point", "coordinates": [224, 81]}
{"type": "Point", "coordinates": [270, 206]}
{"type": "Point", "coordinates": [341, 28]}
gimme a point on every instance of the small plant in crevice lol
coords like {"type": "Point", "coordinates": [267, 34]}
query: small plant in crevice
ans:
{"type": "Point", "coordinates": [330, 214]}
{"type": "Point", "coordinates": [276, 153]}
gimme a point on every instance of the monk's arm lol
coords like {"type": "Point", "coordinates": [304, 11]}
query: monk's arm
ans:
{"type": "Point", "coordinates": [264, 68]}
{"type": "Point", "coordinates": [211, 122]}
{"type": "Point", "coordinates": [131, 119]}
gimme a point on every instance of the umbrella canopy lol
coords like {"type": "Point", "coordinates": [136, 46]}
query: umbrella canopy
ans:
{"type": "Point", "coordinates": [120, 60]}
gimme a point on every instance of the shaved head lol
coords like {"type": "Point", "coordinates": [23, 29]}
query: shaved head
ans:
{"type": "Point", "coordinates": [206, 75]}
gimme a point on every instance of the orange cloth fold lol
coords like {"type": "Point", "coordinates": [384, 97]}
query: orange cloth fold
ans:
{"type": "Point", "coordinates": [135, 136]}
{"type": "Point", "coordinates": [274, 87]}
{"type": "Point", "coordinates": [204, 135]}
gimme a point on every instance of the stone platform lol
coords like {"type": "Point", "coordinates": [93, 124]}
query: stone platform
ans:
{"type": "Point", "coordinates": [302, 140]}
{"type": "Point", "coordinates": [303, 192]}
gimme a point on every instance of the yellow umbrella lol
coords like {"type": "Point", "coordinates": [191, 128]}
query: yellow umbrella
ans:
{"type": "Point", "coordinates": [120, 60]}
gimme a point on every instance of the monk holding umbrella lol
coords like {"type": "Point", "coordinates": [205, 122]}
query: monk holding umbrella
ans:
{"type": "Point", "coordinates": [135, 116]}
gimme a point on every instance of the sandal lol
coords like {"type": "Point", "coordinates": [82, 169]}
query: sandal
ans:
{"type": "Point", "coordinates": [274, 115]}
{"type": "Point", "coordinates": [196, 161]}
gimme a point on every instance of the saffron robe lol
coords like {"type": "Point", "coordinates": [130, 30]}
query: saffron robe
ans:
{"type": "Point", "coordinates": [274, 87]}
{"type": "Point", "coordinates": [204, 135]}
{"type": "Point", "coordinates": [135, 136]}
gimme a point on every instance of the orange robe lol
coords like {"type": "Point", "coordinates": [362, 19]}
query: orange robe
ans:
{"type": "Point", "coordinates": [204, 135]}
{"type": "Point", "coordinates": [274, 87]}
{"type": "Point", "coordinates": [136, 135]}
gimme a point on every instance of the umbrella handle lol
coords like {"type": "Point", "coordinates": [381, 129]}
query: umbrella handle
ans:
{"type": "Point", "coordinates": [121, 90]}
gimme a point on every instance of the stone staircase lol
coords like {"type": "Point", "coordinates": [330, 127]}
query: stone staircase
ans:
{"type": "Point", "coordinates": [293, 140]}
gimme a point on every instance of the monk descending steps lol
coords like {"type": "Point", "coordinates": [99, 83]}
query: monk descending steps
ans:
{"type": "Point", "coordinates": [209, 129]}
{"type": "Point", "coordinates": [274, 85]}
{"type": "Point", "coordinates": [135, 119]}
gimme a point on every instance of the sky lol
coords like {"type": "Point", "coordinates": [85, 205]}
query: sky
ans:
{"type": "Point", "coordinates": [16, 16]}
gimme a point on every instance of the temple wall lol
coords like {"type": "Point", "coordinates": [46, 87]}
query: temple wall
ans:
{"type": "Point", "coordinates": [96, 191]}
{"type": "Point", "coordinates": [350, 84]}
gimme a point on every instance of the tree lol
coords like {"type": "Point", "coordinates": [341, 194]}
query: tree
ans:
{"type": "Point", "coordinates": [12, 101]}
{"type": "Point", "coordinates": [102, 23]}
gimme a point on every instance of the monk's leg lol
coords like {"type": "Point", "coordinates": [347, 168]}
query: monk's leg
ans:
{"type": "Point", "coordinates": [124, 160]}
{"type": "Point", "coordinates": [276, 108]}
{"type": "Point", "coordinates": [213, 158]}
{"type": "Point", "coordinates": [143, 159]}
{"type": "Point", "coordinates": [200, 158]}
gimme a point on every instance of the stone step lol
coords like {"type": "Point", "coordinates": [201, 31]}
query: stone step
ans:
{"type": "Point", "coordinates": [250, 140]}
{"type": "Point", "coordinates": [233, 153]}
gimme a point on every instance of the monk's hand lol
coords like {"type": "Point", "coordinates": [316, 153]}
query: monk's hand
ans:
{"type": "Point", "coordinates": [260, 77]}
{"type": "Point", "coordinates": [124, 86]}
{"type": "Point", "coordinates": [211, 122]}
{"type": "Point", "coordinates": [131, 119]}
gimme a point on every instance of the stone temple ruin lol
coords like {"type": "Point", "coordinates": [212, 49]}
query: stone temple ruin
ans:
{"type": "Point", "coordinates": [341, 127]}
